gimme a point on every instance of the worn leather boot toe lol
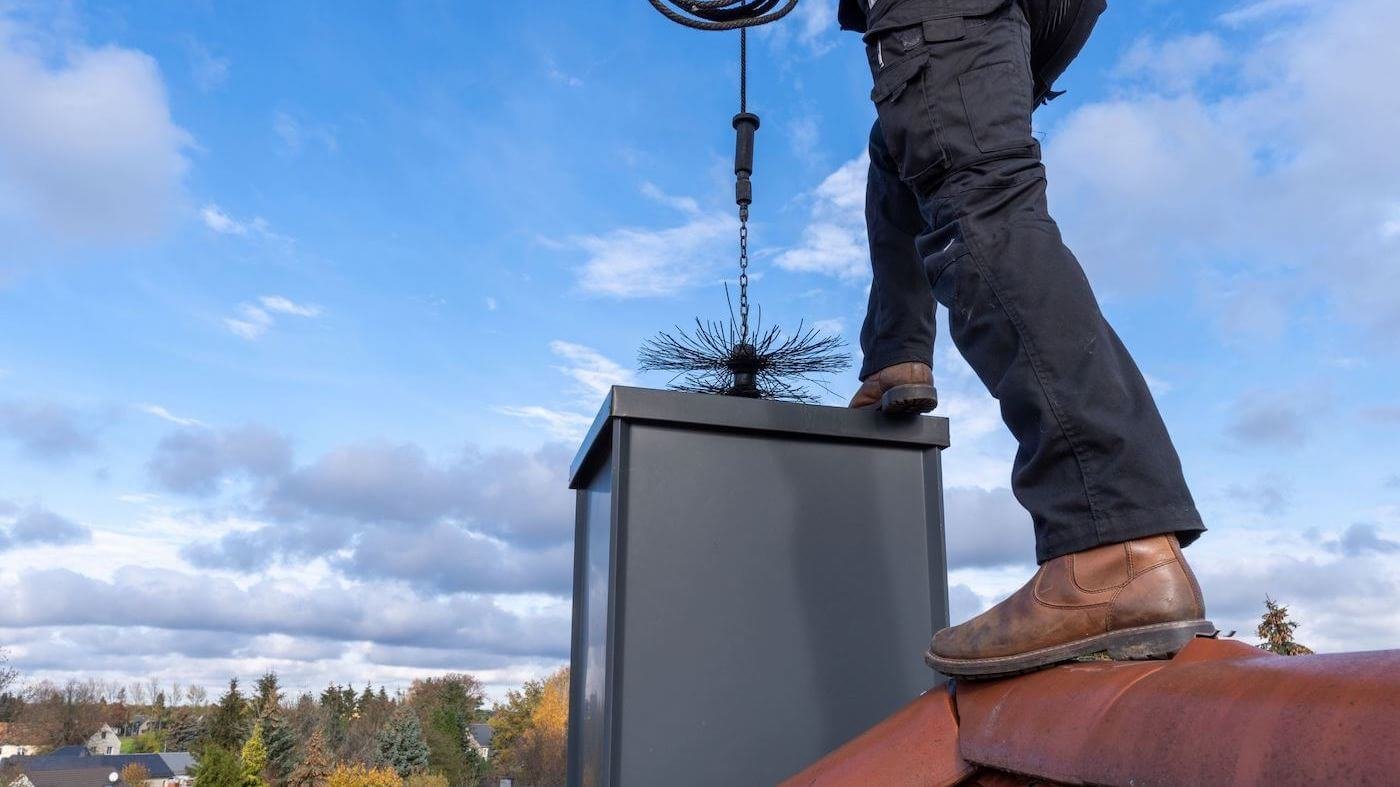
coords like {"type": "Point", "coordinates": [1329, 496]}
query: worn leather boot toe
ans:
{"type": "Point", "coordinates": [1134, 600]}
{"type": "Point", "coordinates": [902, 389]}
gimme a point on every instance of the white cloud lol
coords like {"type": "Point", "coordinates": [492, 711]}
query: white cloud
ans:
{"type": "Point", "coordinates": [88, 149]}
{"type": "Point", "coordinates": [594, 373]}
{"type": "Point", "coordinates": [639, 263]}
{"type": "Point", "coordinates": [217, 220]}
{"type": "Point", "coordinates": [1177, 64]}
{"type": "Point", "coordinates": [561, 76]}
{"type": "Point", "coordinates": [294, 134]}
{"type": "Point", "coordinates": [834, 242]}
{"type": "Point", "coordinates": [165, 415]}
{"type": "Point", "coordinates": [1262, 9]}
{"type": "Point", "coordinates": [804, 137]}
{"type": "Point", "coordinates": [490, 304]}
{"type": "Point", "coordinates": [683, 204]}
{"type": "Point", "coordinates": [282, 305]}
{"type": "Point", "coordinates": [811, 26]}
{"type": "Point", "coordinates": [560, 424]}
{"type": "Point", "coordinates": [253, 321]}
{"type": "Point", "coordinates": [1286, 172]}
{"type": "Point", "coordinates": [208, 71]}
{"type": "Point", "coordinates": [1158, 386]}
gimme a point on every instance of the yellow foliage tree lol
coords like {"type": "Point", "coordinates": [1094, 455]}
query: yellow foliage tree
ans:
{"type": "Point", "coordinates": [135, 774]}
{"type": "Point", "coordinates": [360, 775]}
{"type": "Point", "coordinates": [542, 752]}
{"type": "Point", "coordinates": [552, 715]}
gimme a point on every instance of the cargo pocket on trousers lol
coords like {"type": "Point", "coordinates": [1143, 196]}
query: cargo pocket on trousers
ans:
{"type": "Point", "coordinates": [905, 119]}
{"type": "Point", "coordinates": [997, 99]}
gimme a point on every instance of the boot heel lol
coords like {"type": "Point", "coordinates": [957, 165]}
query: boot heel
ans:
{"type": "Point", "coordinates": [1156, 642]}
{"type": "Point", "coordinates": [911, 399]}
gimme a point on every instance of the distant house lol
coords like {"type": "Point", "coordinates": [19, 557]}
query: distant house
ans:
{"type": "Point", "coordinates": [479, 738]}
{"type": "Point", "coordinates": [15, 740]}
{"type": "Point", "coordinates": [105, 741]}
{"type": "Point", "coordinates": [140, 724]}
{"type": "Point", "coordinates": [171, 769]}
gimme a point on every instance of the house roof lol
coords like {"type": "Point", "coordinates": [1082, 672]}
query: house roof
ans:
{"type": "Point", "coordinates": [106, 763]}
{"type": "Point", "coordinates": [481, 733]}
{"type": "Point", "coordinates": [75, 777]}
{"type": "Point", "coordinates": [1221, 712]}
{"type": "Point", "coordinates": [179, 762]}
{"type": "Point", "coordinates": [71, 750]}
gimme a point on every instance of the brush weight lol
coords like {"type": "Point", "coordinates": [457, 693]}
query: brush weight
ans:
{"type": "Point", "coordinates": [745, 124]}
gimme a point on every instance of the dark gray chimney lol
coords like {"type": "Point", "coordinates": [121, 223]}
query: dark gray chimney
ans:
{"type": "Point", "coordinates": [755, 583]}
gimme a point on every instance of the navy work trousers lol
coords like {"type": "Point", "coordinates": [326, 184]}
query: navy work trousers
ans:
{"type": "Point", "coordinates": [956, 213]}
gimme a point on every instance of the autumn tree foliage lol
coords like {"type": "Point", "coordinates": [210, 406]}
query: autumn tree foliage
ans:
{"type": "Point", "coordinates": [265, 738]}
{"type": "Point", "coordinates": [361, 775]}
{"type": "Point", "coordinates": [530, 732]}
{"type": "Point", "coordinates": [315, 769]}
{"type": "Point", "coordinates": [62, 715]}
{"type": "Point", "coordinates": [135, 774]}
{"type": "Point", "coordinates": [1276, 631]}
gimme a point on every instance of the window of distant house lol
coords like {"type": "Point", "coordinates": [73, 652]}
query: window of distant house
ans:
{"type": "Point", "coordinates": [109, 749]}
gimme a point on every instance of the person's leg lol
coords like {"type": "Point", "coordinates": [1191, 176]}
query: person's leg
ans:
{"type": "Point", "coordinates": [896, 339]}
{"type": "Point", "coordinates": [899, 318]}
{"type": "Point", "coordinates": [1095, 465]}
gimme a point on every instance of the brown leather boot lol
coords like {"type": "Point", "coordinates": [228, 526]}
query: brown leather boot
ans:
{"type": "Point", "coordinates": [1135, 600]}
{"type": "Point", "coordinates": [902, 389]}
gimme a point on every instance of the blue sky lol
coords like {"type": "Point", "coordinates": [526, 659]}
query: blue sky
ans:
{"type": "Point", "coordinates": [302, 309]}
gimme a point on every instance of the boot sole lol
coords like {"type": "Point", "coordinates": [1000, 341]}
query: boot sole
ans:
{"type": "Point", "coordinates": [1158, 641]}
{"type": "Point", "coordinates": [910, 399]}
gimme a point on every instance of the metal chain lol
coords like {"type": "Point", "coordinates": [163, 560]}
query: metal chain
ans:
{"type": "Point", "coordinates": [743, 209]}
{"type": "Point", "coordinates": [743, 274]}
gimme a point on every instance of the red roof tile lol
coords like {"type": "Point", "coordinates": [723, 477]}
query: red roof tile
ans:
{"type": "Point", "coordinates": [1221, 712]}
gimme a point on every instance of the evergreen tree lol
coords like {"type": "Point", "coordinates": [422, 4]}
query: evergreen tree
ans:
{"type": "Point", "coordinates": [1277, 631]}
{"type": "Point", "coordinates": [254, 759]}
{"type": "Point", "coordinates": [401, 745]}
{"type": "Point", "coordinates": [185, 730]}
{"type": "Point", "coordinates": [335, 713]}
{"type": "Point", "coordinates": [269, 692]}
{"type": "Point", "coordinates": [315, 766]}
{"type": "Point", "coordinates": [227, 726]}
{"type": "Point", "coordinates": [280, 741]}
{"type": "Point", "coordinates": [218, 767]}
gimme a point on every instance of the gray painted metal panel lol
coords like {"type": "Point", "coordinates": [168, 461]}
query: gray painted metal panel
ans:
{"type": "Point", "coordinates": [769, 590]}
{"type": "Point", "coordinates": [720, 412]}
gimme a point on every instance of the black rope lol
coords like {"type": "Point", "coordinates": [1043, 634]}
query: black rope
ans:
{"type": "Point", "coordinates": [743, 69]}
{"type": "Point", "coordinates": [723, 14]}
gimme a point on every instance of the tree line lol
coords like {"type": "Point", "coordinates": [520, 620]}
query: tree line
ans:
{"type": "Point", "coordinates": [341, 737]}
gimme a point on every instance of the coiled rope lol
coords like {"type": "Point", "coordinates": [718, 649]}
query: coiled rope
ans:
{"type": "Point", "coordinates": [724, 14]}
